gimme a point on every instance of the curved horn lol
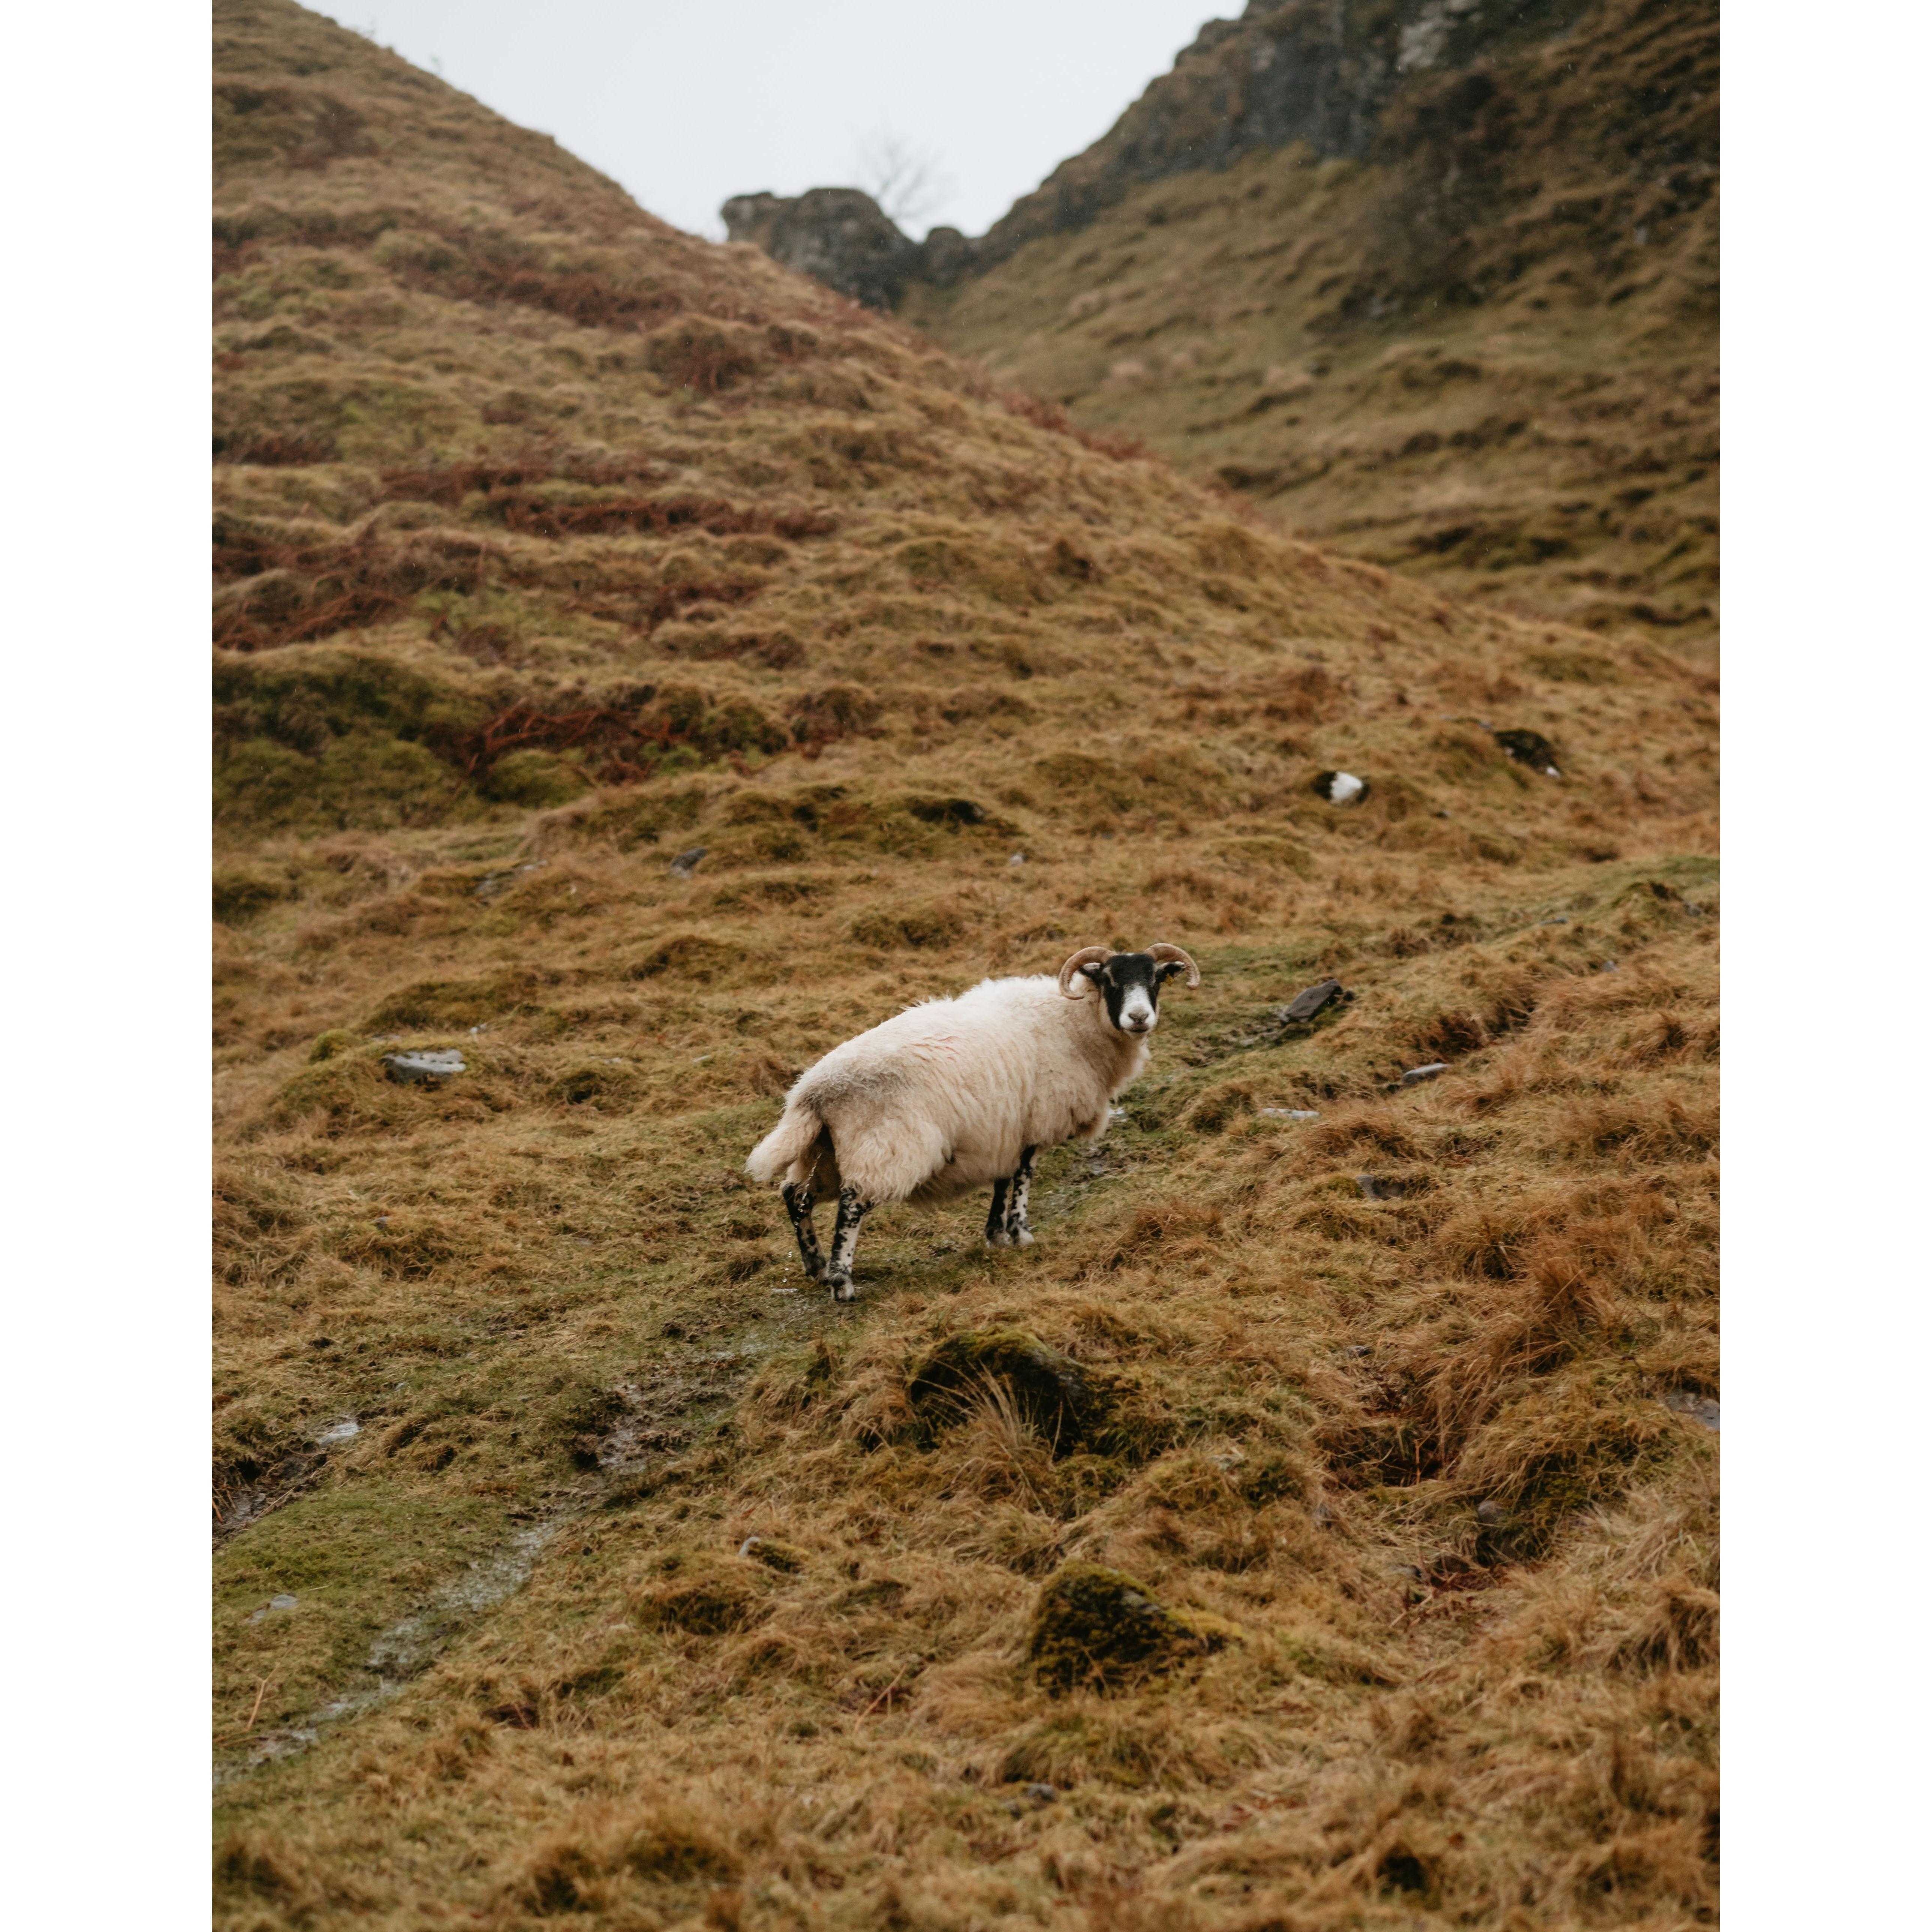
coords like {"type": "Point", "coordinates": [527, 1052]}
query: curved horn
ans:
{"type": "Point", "coordinates": [1087, 955]}
{"type": "Point", "coordinates": [1165, 952]}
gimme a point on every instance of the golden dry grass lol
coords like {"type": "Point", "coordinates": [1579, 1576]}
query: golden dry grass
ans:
{"type": "Point", "coordinates": [1400, 1457]}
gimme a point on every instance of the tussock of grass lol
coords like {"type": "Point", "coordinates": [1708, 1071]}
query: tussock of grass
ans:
{"type": "Point", "coordinates": [1396, 1459]}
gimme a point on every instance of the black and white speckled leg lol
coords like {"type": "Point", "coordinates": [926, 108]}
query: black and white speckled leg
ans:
{"type": "Point", "coordinates": [1017, 1233]}
{"type": "Point", "coordinates": [997, 1236]}
{"type": "Point", "coordinates": [844, 1239]}
{"type": "Point", "coordinates": [800, 1200]}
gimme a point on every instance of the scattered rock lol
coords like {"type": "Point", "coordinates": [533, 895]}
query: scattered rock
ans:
{"type": "Point", "coordinates": [1688, 1401]}
{"type": "Point", "coordinates": [686, 863]}
{"type": "Point", "coordinates": [495, 881]}
{"type": "Point", "coordinates": [1374, 1188]}
{"type": "Point", "coordinates": [1321, 1515]}
{"type": "Point", "coordinates": [284, 1602]}
{"type": "Point", "coordinates": [1018, 859]}
{"type": "Point", "coordinates": [1340, 787]}
{"type": "Point", "coordinates": [340, 1431]}
{"type": "Point", "coordinates": [1032, 1798]}
{"type": "Point", "coordinates": [1311, 999]}
{"type": "Point", "coordinates": [1608, 966]}
{"type": "Point", "coordinates": [785, 1558]}
{"type": "Point", "coordinates": [428, 1068]}
{"type": "Point", "coordinates": [1529, 747]}
{"type": "Point", "coordinates": [1491, 1514]}
{"type": "Point", "coordinates": [1356, 1350]}
{"type": "Point", "coordinates": [1100, 1629]}
{"type": "Point", "coordinates": [1416, 1075]}
{"type": "Point", "coordinates": [1289, 1113]}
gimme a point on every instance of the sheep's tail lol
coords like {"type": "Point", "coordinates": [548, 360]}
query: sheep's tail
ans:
{"type": "Point", "coordinates": [788, 1143]}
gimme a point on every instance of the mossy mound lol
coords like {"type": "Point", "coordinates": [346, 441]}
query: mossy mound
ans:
{"type": "Point", "coordinates": [1068, 1403]}
{"type": "Point", "coordinates": [1100, 1629]}
{"type": "Point", "coordinates": [705, 1596]}
{"type": "Point", "coordinates": [775, 1554]}
{"type": "Point", "coordinates": [240, 893]}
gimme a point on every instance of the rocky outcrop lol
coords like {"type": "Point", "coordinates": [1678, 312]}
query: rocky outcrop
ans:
{"type": "Point", "coordinates": [841, 237]}
{"type": "Point", "coordinates": [1380, 346]}
{"type": "Point", "coordinates": [1318, 71]}
{"type": "Point", "coordinates": [1427, 81]}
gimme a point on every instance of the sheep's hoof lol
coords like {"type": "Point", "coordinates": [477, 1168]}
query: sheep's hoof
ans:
{"type": "Point", "coordinates": [1024, 1239]}
{"type": "Point", "coordinates": [1000, 1240]}
{"type": "Point", "coordinates": [842, 1289]}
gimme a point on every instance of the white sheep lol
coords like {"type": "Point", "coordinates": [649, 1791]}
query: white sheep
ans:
{"type": "Point", "coordinates": [952, 1094]}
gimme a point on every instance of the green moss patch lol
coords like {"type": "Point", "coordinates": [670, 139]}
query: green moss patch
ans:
{"type": "Point", "coordinates": [1095, 1628]}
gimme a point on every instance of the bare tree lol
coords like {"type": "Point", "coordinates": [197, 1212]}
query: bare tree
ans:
{"type": "Point", "coordinates": [904, 181]}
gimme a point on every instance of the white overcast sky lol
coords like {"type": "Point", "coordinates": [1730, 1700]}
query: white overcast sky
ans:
{"type": "Point", "coordinates": [685, 104]}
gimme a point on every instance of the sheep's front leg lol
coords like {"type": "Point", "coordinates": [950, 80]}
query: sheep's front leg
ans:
{"type": "Point", "coordinates": [800, 1200]}
{"type": "Point", "coordinates": [997, 1236]}
{"type": "Point", "coordinates": [1017, 1233]}
{"type": "Point", "coordinates": [844, 1238]}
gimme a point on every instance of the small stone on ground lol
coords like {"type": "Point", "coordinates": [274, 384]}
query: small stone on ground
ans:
{"type": "Point", "coordinates": [427, 1068]}
{"type": "Point", "coordinates": [1311, 999]}
{"type": "Point", "coordinates": [1702, 1409]}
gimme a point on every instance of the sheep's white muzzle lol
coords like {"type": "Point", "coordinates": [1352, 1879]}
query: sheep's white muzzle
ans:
{"type": "Point", "coordinates": [1137, 1012]}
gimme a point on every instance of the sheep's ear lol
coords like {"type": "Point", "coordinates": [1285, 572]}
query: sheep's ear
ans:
{"type": "Point", "coordinates": [1161, 953]}
{"type": "Point", "coordinates": [1168, 969]}
{"type": "Point", "coordinates": [1091, 973]}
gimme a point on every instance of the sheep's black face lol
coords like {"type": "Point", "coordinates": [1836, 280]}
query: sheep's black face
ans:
{"type": "Point", "coordinates": [1130, 983]}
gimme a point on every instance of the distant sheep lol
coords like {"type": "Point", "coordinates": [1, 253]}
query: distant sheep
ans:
{"type": "Point", "coordinates": [952, 1094]}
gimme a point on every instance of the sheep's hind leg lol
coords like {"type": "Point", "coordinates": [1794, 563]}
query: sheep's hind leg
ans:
{"type": "Point", "coordinates": [1017, 1232]}
{"type": "Point", "coordinates": [997, 1236]}
{"type": "Point", "coordinates": [800, 1200]}
{"type": "Point", "coordinates": [844, 1238]}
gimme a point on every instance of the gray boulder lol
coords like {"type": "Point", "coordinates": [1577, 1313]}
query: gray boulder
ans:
{"type": "Point", "coordinates": [841, 237]}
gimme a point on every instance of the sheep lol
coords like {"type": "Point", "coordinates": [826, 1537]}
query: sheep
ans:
{"type": "Point", "coordinates": [951, 1094]}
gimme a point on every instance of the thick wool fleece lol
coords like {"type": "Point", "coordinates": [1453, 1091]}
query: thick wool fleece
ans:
{"type": "Point", "coordinates": [945, 1096]}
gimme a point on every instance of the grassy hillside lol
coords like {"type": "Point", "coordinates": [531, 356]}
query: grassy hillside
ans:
{"type": "Point", "coordinates": [1469, 330]}
{"type": "Point", "coordinates": [570, 1565]}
